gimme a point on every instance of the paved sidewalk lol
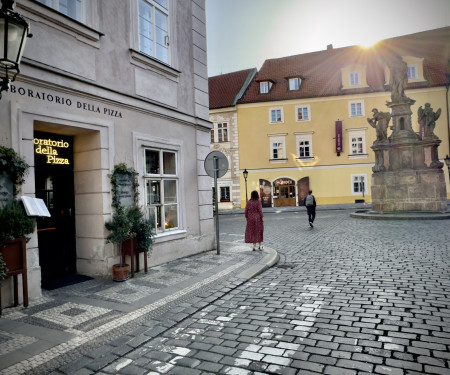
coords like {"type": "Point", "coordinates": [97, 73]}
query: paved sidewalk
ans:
{"type": "Point", "coordinates": [67, 323]}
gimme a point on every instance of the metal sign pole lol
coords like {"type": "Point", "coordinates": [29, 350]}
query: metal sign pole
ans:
{"type": "Point", "coordinates": [216, 171]}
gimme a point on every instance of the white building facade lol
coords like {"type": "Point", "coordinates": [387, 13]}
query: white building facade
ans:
{"type": "Point", "coordinates": [105, 82]}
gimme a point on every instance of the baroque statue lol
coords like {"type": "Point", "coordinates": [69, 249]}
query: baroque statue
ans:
{"type": "Point", "coordinates": [398, 79]}
{"type": "Point", "coordinates": [428, 117]}
{"type": "Point", "coordinates": [380, 122]}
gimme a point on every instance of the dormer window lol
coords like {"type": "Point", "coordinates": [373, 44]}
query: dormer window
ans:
{"type": "Point", "coordinates": [265, 87]}
{"type": "Point", "coordinates": [294, 84]}
{"type": "Point", "coordinates": [412, 72]}
{"type": "Point", "coordinates": [355, 79]}
{"type": "Point", "coordinates": [354, 76]}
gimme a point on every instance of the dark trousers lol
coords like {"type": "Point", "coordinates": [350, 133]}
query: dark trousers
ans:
{"type": "Point", "coordinates": [311, 213]}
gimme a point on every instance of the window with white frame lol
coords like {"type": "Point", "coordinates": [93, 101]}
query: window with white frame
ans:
{"type": "Point", "coordinates": [359, 184]}
{"type": "Point", "coordinates": [294, 84]}
{"type": "Point", "coordinates": [219, 133]}
{"type": "Point", "coordinates": [357, 140]}
{"type": "Point", "coordinates": [412, 72]}
{"type": "Point", "coordinates": [161, 188]}
{"type": "Point", "coordinates": [276, 115]}
{"type": "Point", "coordinates": [356, 108]}
{"type": "Point", "coordinates": [154, 29]}
{"type": "Point", "coordinates": [277, 148]}
{"type": "Point", "coordinates": [355, 79]}
{"type": "Point", "coordinates": [72, 8]}
{"type": "Point", "coordinates": [304, 146]}
{"type": "Point", "coordinates": [264, 87]}
{"type": "Point", "coordinates": [224, 193]}
{"type": "Point", "coordinates": [302, 113]}
{"type": "Point", "coordinates": [222, 132]}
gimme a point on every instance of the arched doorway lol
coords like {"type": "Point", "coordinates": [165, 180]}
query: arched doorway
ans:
{"type": "Point", "coordinates": [284, 192]}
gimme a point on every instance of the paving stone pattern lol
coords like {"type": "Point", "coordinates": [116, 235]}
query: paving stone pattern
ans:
{"type": "Point", "coordinates": [358, 297]}
{"type": "Point", "coordinates": [349, 297]}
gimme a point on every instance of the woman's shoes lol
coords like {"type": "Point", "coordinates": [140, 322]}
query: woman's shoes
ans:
{"type": "Point", "coordinates": [260, 248]}
{"type": "Point", "coordinates": [254, 249]}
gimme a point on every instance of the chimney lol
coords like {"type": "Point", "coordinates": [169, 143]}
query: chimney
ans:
{"type": "Point", "coordinates": [329, 46]}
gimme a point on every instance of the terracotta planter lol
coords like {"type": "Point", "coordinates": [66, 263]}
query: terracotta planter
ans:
{"type": "Point", "coordinates": [121, 272]}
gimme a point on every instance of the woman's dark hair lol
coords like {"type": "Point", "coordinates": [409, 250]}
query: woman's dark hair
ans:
{"type": "Point", "coordinates": [310, 192]}
{"type": "Point", "coordinates": [254, 195]}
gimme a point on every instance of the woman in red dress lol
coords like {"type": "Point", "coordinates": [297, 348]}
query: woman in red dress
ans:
{"type": "Point", "coordinates": [255, 221]}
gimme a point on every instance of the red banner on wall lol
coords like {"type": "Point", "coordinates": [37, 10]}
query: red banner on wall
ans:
{"type": "Point", "coordinates": [338, 136]}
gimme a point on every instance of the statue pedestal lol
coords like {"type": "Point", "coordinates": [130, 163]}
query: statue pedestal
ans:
{"type": "Point", "coordinates": [408, 176]}
{"type": "Point", "coordinates": [412, 190]}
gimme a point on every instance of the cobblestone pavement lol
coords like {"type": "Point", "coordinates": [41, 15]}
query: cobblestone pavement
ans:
{"type": "Point", "coordinates": [79, 326]}
{"type": "Point", "coordinates": [348, 297]}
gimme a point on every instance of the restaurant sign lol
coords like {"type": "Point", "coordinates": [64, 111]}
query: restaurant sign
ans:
{"type": "Point", "coordinates": [51, 150]}
{"type": "Point", "coordinates": [43, 96]}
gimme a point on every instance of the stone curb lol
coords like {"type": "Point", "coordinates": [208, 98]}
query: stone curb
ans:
{"type": "Point", "coordinates": [371, 215]}
{"type": "Point", "coordinates": [269, 260]}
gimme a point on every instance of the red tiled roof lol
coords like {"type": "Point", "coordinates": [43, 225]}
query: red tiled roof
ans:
{"type": "Point", "coordinates": [321, 71]}
{"type": "Point", "coordinates": [224, 88]}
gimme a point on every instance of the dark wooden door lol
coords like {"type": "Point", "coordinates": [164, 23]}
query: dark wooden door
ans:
{"type": "Point", "coordinates": [303, 189]}
{"type": "Point", "coordinates": [54, 184]}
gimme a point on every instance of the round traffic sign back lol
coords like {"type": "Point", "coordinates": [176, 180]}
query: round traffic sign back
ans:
{"type": "Point", "coordinates": [216, 161]}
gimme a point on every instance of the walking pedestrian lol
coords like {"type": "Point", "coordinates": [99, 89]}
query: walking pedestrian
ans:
{"type": "Point", "coordinates": [310, 203]}
{"type": "Point", "coordinates": [255, 221]}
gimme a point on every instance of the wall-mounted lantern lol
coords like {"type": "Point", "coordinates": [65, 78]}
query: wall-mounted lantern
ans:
{"type": "Point", "coordinates": [14, 31]}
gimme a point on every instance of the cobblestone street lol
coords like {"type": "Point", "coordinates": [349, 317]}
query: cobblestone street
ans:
{"type": "Point", "coordinates": [348, 297]}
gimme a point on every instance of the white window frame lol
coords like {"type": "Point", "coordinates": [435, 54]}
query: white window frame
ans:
{"type": "Point", "coordinates": [294, 84]}
{"type": "Point", "coordinates": [220, 131]}
{"type": "Point", "coordinates": [304, 138]}
{"type": "Point", "coordinates": [166, 11]}
{"type": "Point", "coordinates": [55, 4]}
{"type": "Point", "coordinates": [264, 87]}
{"type": "Point", "coordinates": [280, 119]}
{"type": "Point", "coordinates": [356, 180]}
{"type": "Point", "coordinates": [308, 109]}
{"type": "Point", "coordinates": [354, 79]}
{"type": "Point", "coordinates": [217, 132]}
{"type": "Point", "coordinates": [413, 69]}
{"type": "Point", "coordinates": [354, 104]}
{"type": "Point", "coordinates": [353, 134]}
{"type": "Point", "coordinates": [161, 177]}
{"type": "Point", "coordinates": [280, 141]}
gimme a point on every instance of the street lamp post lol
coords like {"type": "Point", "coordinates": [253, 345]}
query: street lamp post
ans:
{"type": "Point", "coordinates": [245, 173]}
{"type": "Point", "coordinates": [14, 31]}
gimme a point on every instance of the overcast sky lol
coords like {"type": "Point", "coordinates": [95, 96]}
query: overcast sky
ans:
{"type": "Point", "coordinates": [241, 34]}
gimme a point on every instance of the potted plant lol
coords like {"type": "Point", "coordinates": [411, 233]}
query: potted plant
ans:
{"type": "Point", "coordinates": [120, 231]}
{"type": "Point", "coordinates": [130, 230]}
{"type": "Point", "coordinates": [15, 223]}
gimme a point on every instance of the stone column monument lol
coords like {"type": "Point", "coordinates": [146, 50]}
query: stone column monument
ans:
{"type": "Point", "coordinates": [407, 176]}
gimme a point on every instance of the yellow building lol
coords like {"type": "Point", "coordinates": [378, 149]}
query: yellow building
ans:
{"type": "Point", "coordinates": [303, 122]}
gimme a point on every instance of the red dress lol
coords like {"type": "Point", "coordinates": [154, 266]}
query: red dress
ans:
{"type": "Point", "coordinates": [255, 225]}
